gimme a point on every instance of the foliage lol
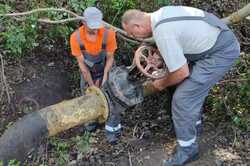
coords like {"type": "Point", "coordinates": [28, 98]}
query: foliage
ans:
{"type": "Point", "coordinates": [20, 38]}
{"type": "Point", "coordinates": [12, 163]}
{"type": "Point", "coordinates": [61, 147]}
{"type": "Point", "coordinates": [79, 6]}
{"type": "Point", "coordinates": [115, 8]}
{"type": "Point", "coordinates": [233, 95]}
{"type": "Point", "coordinates": [82, 143]}
{"type": "Point", "coordinates": [60, 150]}
{"type": "Point", "coordinates": [162, 2]}
{"type": "Point", "coordinates": [228, 101]}
{"type": "Point", "coordinates": [4, 8]}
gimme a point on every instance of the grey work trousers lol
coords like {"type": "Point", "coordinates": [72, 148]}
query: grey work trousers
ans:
{"type": "Point", "coordinates": [206, 72]}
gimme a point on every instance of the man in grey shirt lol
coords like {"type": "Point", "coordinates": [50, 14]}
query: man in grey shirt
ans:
{"type": "Point", "coordinates": [186, 35]}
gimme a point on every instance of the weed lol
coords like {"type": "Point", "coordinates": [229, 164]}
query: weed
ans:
{"type": "Point", "coordinates": [61, 150]}
{"type": "Point", "coordinates": [82, 143]}
{"type": "Point", "coordinates": [233, 97]}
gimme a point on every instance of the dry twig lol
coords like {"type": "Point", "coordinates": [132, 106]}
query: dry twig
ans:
{"type": "Point", "coordinates": [233, 80]}
{"type": "Point", "coordinates": [5, 86]}
{"type": "Point", "coordinates": [39, 10]}
{"type": "Point", "coordinates": [135, 130]}
{"type": "Point", "coordinates": [130, 158]}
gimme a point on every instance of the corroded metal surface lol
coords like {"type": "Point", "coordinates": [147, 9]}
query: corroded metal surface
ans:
{"type": "Point", "coordinates": [149, 61]}
{"type": "Point", "coordinates": [65, 115]}
{"type": "Point", "coordinates": [125, 91]}
{"type": "Point", "coordinates": [24, 136]}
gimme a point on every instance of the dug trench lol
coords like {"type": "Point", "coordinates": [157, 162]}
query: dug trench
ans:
{"type": "Point", "coordinates": [43, 79]}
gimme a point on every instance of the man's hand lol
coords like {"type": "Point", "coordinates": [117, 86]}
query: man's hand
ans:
{"type": "Point", "coordinates": [90, 83]}
{"type": "Point", "coordinates": [97, 83]}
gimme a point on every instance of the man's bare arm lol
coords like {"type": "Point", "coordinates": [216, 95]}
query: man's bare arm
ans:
{"type": "Point", "coordinates": [109, 62]}
{"type": "Point", "coordinates": [108, 66]}
{"type": "Point", "coordinates": [85, 71]}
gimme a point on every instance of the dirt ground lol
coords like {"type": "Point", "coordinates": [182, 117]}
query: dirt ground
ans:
{"type": "Point", "coordinates": [147, 138]}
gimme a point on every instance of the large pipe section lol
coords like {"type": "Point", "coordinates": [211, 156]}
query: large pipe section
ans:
{"type": "Point", "coordinates": [26, 134]}
{"type": "Point", "coordinates": [119, 93]}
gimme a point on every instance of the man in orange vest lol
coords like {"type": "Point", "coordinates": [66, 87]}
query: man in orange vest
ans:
{"type": "Point", "coordinates": [93, 45]}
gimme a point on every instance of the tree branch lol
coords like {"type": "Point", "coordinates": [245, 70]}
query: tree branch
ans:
{"type": "Point", "coordinates": [233, 18]}
{"type": "Point", "coordinates": [238, 15]}
{"type": "Point", "coordinates": [48, 21]}
{"type": "Point", "coordinates": [38, 10]}
{"type": "Point", "coordinates": [233, 80]}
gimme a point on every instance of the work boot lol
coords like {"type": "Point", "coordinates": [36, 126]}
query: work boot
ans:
{"type": "Point", "coordinates": [113, 137]}
{"type": "Point", "coordinates": [91, 127]}
{"type": "Point", "coordinates": [183, 155]}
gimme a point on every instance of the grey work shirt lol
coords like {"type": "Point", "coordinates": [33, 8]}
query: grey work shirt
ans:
{"type": "Point", "coordinates": [174, 39]}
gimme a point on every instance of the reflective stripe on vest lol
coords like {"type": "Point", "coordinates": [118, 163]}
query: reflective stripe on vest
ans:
{"type": "Point", "coordinates": [208, 18]}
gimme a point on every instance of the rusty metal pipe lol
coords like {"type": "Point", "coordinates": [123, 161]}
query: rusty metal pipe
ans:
{"type": "Point", "coordinates": [65, 115]}
{"type": "Point", "coordinates": [26, 134]}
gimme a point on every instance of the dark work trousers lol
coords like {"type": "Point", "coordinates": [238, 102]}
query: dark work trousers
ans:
{"type": "Point", "coordinates": [189, 96]}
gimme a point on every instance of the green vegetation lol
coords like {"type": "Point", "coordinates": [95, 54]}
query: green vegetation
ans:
{"type": "Point", "coordinates": [61, 147]}
{"type": "Point", "coordinates": [231, 97]}
{"type": "Point", "coordinates": [83, 145]}
{"type": "Point", "coordinates": [23, 36]}
{"type": "Point", "coordinates": [24, 33]}
{"type": "Point", "coordinates": [228, 101]}
{"type": "Point", "coordinates": [18, 38]}
{"type": "Point", "coordinates": [12, 163]}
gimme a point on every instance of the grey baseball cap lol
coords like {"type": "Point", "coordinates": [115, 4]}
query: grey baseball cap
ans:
{"type": "Point", "coordinates": [93, 17]}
